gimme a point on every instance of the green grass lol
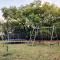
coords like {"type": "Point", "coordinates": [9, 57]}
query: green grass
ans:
{"type": "Point", "coordinates": [27, 52]}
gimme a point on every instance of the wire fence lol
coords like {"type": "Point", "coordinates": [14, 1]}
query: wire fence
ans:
{"type": "Point", "coordinates": [31, 37]}
{"type": "Point", "coordinates": [43, 33]}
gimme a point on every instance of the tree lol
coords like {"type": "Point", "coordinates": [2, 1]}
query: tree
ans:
{"type": "Point", "coordinates": [32, 16]}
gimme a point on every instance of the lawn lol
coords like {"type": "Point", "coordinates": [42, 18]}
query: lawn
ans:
{"type": "Point", "coordinates": [28, 52]}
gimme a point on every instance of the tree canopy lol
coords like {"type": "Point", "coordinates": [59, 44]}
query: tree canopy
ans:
{"type": "Point", "coordinates": [32, 16]}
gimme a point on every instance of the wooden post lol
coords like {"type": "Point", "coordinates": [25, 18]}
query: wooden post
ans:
{"type": "Point", "coordinates": [7, 48]}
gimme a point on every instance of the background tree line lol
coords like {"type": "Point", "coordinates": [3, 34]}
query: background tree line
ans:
{"type": "Point", "coordinates": [35, 15]}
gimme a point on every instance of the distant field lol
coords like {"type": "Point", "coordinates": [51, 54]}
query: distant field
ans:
{"type": "Point", "coordinates": [29, 52]}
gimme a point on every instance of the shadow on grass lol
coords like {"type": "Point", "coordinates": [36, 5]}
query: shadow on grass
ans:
{"type": "Point", "coordinates": [7, 54]}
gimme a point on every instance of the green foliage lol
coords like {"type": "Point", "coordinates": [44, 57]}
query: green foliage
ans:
{"type": "Point", "coordinates": [32, 16]}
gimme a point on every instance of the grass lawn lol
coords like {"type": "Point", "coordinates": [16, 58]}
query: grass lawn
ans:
{"type": "Point", "coordinates": [27, 52]}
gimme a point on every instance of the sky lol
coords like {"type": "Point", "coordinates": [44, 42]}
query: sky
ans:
{"type": "Point", "coordinates": [8, 3]}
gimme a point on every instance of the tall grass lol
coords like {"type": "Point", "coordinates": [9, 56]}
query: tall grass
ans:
{"type": "Point", "coordinates": [28, 52]}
